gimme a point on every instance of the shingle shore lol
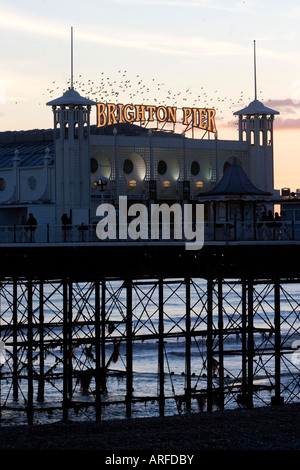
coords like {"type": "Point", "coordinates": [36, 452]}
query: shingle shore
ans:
{"type": "Point", "coordinates": [269, 428]}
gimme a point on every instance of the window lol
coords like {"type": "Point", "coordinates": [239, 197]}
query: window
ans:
{"type": "Point", "coordinates": [94, 165]}
{"type": "Point", "coordinates": [261, 138]}
{"type": "Point", "coordinates": [269, 138]}
{"type": "Point", "coordinates": [161, 167]}
{"type": "Point", "coordinates": [127, 166]}
{"type": "Point", "coordinates": [57, 131]}
{"type": "Point", "coordinates": [222, 212]}
{"type": "Point", "coordinates": [195, 168]}
{"type": "Point", "coordinates": [76, 130]}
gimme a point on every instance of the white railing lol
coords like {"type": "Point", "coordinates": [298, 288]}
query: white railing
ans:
{"type": "Point", "coordinates": [252, 231]}
{"type": "Point", "coordinates": [76, 234]}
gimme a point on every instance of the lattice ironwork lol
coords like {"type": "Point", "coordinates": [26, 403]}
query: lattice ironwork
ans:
{"type": "Point", "coordinates": [135, 347]}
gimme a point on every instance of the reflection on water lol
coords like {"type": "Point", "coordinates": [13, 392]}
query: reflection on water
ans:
{"type": "Point", "coordinates": [230, 342]}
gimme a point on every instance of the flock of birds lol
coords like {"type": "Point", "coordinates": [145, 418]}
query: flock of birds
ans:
{"type": "Point", "coordinates": [136, 90]}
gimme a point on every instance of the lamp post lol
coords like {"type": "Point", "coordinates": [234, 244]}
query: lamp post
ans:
{"type": "Point", "coordinates": [116, 189]}
{"type": "Point", "coordinates": [100, 182]}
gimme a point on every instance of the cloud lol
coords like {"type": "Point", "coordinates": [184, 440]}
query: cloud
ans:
{"type": "Point", "coordinates": [289, 109]}
{"type": "Point", "coordinates": [287, 124]}
{"type": "Point", "coordinates": [287, 106]}
{"type": "Point", "coordinates": [189, 46]}
{"type": "Point", "coordinates": [203, 4]}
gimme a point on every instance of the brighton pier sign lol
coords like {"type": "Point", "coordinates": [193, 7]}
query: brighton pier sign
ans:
{"type": "Point", "coordinates": [110, 113]}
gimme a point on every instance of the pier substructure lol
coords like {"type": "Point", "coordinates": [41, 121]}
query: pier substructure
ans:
{"type": "Point", "coordinates": [146, 330]}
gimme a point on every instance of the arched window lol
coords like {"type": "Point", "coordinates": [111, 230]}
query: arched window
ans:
{"type": "Point", "coordinates": [85, 131]}
{"type": "Point", "coordinates": [66, 130]}
{"type": "Point", "coordinates": [269, 137]}
{"type": "Point", "coordinates": [57, 130]}
{"type": "Point", "coordinates": [76, 130]}
{"type": "Point", "coordinates": [261, 138]}
{"type": "Point", "coordinates": [252, 138]}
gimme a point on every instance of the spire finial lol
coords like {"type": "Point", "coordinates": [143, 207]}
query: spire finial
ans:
{"type": "Point", "coordinates": [71, 57]}
{"type": "Point", "coordinates": [255, 89]}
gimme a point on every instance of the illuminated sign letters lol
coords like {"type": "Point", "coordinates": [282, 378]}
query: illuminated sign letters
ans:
{"type": "Point", "coordinates": [110, 113]}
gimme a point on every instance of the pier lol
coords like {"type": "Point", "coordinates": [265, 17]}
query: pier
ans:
{"type": "Point", "coordinates": [94, 328]}
{"type": "Point", "coordinates": [74, 314]}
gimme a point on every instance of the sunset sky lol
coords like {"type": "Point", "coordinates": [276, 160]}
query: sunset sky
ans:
{"type": "Point", "coordinates": [196, 53]}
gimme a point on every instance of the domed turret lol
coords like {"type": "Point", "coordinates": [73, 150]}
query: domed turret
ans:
{"type": "Point", "coordinates": [256, 128]}
{"type": "Point", "coordinates": [71, 114]}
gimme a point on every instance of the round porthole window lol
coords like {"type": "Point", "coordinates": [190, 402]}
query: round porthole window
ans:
{"type": "Point", "coordinates": [195, 168]}
{"type": "Point", "coordinates": [94, 165]}
{"type": "Point", "coordinates": [32, 182]}
{"type": "Point", "coordinates": [2, 184]}
{"type": "Point", "coordinates": [161, 167]}
{"type": "Point", "coordinates": [127, 166]}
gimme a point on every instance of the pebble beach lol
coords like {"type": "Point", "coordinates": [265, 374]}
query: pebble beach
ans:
{"type": "Point", "coordinates": [269, 428]}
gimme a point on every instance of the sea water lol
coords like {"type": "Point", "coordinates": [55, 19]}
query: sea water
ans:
{"type": "Point", "coordinates": [146, 365]}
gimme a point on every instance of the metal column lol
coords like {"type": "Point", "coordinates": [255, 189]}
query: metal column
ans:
{"type": "Point", "coordinates": [161, 398]}
{"type": "Point", "coordinates": [209, 344]}
{"type": "Point", "coordinates": [243, 398]}
{"type": "Point", "coordinates": [29, 354]}
{"type": "Point", "coordinates": [98, 371]}
{"type": "Point", "coordinates": [250, 345]}
{"type": "Point", "coordinates": [41, 382]}
{"type": "Point", "coordinates": [277, 399]}
{"type": "Point", "coordinates": [67, 338]}
{"type": "Point", "coordinates": [129, 369]}
{"type": "Point", "coordinates": [15, 339]}
{"type": "Point", "coordinates": [221, 350]}
{"type": "Point", "coordinates": [188, 342]}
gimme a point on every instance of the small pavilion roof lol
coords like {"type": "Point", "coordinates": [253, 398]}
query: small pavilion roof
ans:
{"type": "Point", "coordinates": [71, 97]}
{"type": "Point", "coordinates": [235, 182]}
{"type": "Point", "coordinates": [256, 107]}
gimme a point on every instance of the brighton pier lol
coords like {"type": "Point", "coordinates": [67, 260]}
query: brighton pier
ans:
{"type": "Point", "coordinates": [110, 113]}
{"type": "Point", "coordinates": [96, 329]}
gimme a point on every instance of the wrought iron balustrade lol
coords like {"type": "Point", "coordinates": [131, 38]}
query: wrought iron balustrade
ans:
{"type": "Point", "coordinates": [227, 231]}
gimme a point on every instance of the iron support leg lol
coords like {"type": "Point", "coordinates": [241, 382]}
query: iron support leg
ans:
{"type": "Point", "coordinates": [15, 339]}
{"type": "Point", "coordinates": [67, 359]}
{"type": "Point", "coordinates": [277, 400]}
{"type": "Point", "coordinates": [29, 354]}
{"type": "Point", "coordinates": [129, 349]}
{"type": "Point", "coordinates": [188, 343]}
{"type": "Point", "coordinates": [250, 346]}
{"type": "Point", "coordinates": [243, 398]}
{"type": "Point", "coordinates": [161, 347]}
{"type": "Point", "coordinates": [221, 350]}
{"type": "Point", "coordinates": [103, 318]}
{"type": "Point", "coordinates": [98, 351]}
{"type": "Point", "coordinates": [209, 360]}
{"type": "Point", "coordinates": [41, 383]}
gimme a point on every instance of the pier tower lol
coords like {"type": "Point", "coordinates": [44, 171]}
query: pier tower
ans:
{"type": "Point", "coordinates": [72, 163]}
{"type": "Point", "coordinates": [256, 128]}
